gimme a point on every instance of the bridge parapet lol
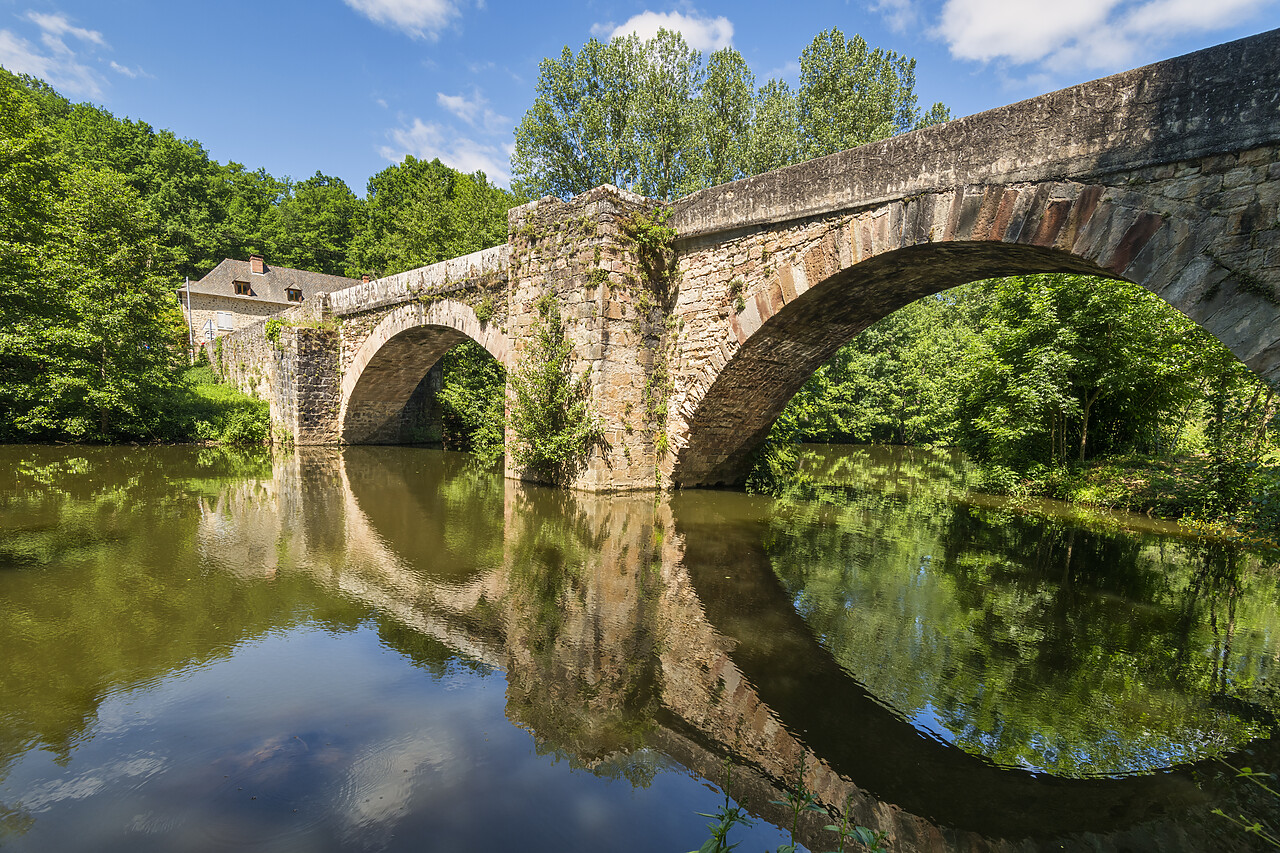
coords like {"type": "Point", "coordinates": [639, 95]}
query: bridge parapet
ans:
{"type": "Point", "coordinates": [1221, 100]}
{"type": "Point", "coordinates": [477, 271]}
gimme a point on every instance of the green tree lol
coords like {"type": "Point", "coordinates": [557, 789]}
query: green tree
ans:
{"type": "Point", "coordinates": [724, 116]}
{"type": "Point", "coordinates": [31, 175]}
{"type": "Point", "coordinates": [473, 401]}
{"type": "Point", "coordinates": [937, 114]}
{"type": "Point", "coordinates": [774, 140]}
{"type": "Point", "coordinates": [665, 120]}
{"type": "Point", "coordinates": [312, 225]}
{"type": "Point", "coordinates": [576, 135]}
{"type": "Point", "coordinates": [420, 213]}
{"type": "Point", "coordinates": [648, 116]}
{"type": "Point", "coordinates": [1056, 349]}
{"type": "Point", "coordinates": [851, 94]}
{"type": "Point", "coordinates": [100, 366]}
{"type": "Point", "coordinates": [895, 382]}
{"type": "Point", "coordinates": [248, 202]}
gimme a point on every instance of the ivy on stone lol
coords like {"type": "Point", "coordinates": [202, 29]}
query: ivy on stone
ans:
{"type": "Point", "coordinates": [552, 424]}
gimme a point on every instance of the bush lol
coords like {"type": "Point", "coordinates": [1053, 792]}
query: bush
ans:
{"type": "Point", "coordinates": [473, 402]}
{"type": "Point", "coordinates": [207, 410]}
{"type": "Point", "coordinates": [551, 417]}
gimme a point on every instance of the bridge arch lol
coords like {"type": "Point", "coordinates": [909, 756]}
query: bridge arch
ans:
{"type": "Point", "coordinates": [393, 358]}
{"type": "Point", "coordinates": [853, 270]}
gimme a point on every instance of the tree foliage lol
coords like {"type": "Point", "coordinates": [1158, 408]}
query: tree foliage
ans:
{"type": "Point", "coordinates": [551, 417]}
{"type": "Point", "coordinates": [851, 94]}
{"type": "Point", "coordinates": [101, 218]}
{"type": "Point", "coordinates": [650, 116]}
{"type": "Point", "coordinates": [89, 330]}
{"type": "Point", "coordinates": [473, 400]}
{"type": "Point", "coordinates": [312, 224]}
{"type": "Point", "coordinates": [420, 212]}
{"type": "Point", "coordinates": [1035, 375]}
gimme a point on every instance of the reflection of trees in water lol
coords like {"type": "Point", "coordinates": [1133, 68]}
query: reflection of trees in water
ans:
{"type": "Point", "coordinates": [1035, 643]}
{"type": "Point", "coordinates": [100, 546]}
{"type": "Point", "coordinates": [1226, 603]}
{"type": "Point", "coordinates": [568, 587]}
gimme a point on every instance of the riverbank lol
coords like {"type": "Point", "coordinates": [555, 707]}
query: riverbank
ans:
{"type": "Point", "coordinates": [1242, 500]}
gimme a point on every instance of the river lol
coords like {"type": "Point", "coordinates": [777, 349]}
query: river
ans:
{"type": "Point", "coordinates": [389, 649]}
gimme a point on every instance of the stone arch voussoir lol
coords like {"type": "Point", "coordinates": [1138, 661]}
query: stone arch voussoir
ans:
{"type": "Point", "coordinates": [391, 361]}
{"type": "Point", "coordinates": [857, 268]}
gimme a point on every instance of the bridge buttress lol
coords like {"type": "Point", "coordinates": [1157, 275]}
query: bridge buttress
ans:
{"type": "Point", "coordinates": [579, 253]}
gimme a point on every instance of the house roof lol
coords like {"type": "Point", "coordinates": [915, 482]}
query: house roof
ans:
{"type": "Point", "coordinates": [269, 286]}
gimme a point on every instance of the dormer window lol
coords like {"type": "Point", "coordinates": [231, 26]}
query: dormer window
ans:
{"type": "Point", "coordinates": [243, 288]}
{"type": "Point", "coordinates": [293, 294]}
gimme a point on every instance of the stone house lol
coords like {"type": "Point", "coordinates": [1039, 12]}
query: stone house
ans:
{"type": "Point", "coordinates": [236, 294]}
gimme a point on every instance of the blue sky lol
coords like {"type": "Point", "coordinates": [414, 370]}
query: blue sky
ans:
{"type": "Point", "coordinates": [348, 86]}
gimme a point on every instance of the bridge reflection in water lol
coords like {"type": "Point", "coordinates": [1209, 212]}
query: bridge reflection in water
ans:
{"type": "Point", "coordinates": [625, 622]}
{"type": "Point", "coordinates": [630, 628]}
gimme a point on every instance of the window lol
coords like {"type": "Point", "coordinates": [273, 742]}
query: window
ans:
{"type": "Point", "coordinates": [243, 289]}
{"type": "Point", "coordinates": [226, 320]}
{"type": "Point", "coordinates": [293, 294]}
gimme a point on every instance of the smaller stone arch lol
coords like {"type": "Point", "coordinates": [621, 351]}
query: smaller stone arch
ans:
{"type": "Point", "coordinates": [389, 364]}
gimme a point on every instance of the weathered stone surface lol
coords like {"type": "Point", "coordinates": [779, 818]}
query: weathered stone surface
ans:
{"type": "Point", "coordinates": [1167, 176]}
{"type": "Point", "coordinates": [578, 253]}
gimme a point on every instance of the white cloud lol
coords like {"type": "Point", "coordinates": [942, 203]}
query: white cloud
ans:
{"type": "Point", "coordinates": [1017, 30]}
{"type": "Point", "coordinates": [474, 111]}
{"type": "Point", "coordinates": [59, 66]}
{"type": "Point", "coordinates": [131, 73]}
{"type": "Point", "coordinates": [56, 26]}
{"type": "Point", "coordinates": [898, 14]}
{"type": "Point", "coordinates": [1090, 34]}
{"type": "Point", "coordinates": [428, 141]}
{"type": "Point", "coordinates": [1173, 17]}
{"type": "Point", "coordinates": [417, 18]}
{"type": "Point", "coordinates": [701, 33]}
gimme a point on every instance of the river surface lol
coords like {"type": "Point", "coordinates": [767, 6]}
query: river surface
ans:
{"type": "Point", "coordinates": [389, 649]}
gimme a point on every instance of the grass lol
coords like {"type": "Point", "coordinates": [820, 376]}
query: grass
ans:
{"type": "Point", "coordinates": [208, 410]}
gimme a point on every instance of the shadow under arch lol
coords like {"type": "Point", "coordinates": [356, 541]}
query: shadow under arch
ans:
{"type": "Point", "coordinates": [850, 731]}
{"type": "Point", "coordinates": [861, 269]}
{"type": "Point", "coordinates": [393, 360]}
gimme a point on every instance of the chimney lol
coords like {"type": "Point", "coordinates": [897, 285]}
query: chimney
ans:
{"type": "Point", "coordinates": [257, 265]}
{"type": "Point", "coordinates": [364, 278]}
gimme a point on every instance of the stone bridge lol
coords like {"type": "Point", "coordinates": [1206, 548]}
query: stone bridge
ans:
{"type": "Point", "coordinates": [1167, 176]}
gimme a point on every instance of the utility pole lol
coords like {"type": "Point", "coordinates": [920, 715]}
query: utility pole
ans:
{"type": "Point", "coordinates": [191, 335]}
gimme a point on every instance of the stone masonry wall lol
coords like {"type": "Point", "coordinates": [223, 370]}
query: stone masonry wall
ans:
{"type": "Point", "coordinates": [580, 253]}
{"type": "Point", "coordinates": [760, 308]}
{"type": "Point", "coordinates": [296, 373]}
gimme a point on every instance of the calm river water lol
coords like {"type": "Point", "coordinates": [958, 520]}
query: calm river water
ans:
{"type": "Point", "coordinates": [387, 649]}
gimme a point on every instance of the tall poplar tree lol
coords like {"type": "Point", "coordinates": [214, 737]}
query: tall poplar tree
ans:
{"type": "Point", "coordinates": [651, 117]}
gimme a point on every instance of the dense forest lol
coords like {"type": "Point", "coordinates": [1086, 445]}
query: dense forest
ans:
{"type": "Point", "coordinates": [101, 219]}
{"type": "Point", "coordinates": [1064, 385]}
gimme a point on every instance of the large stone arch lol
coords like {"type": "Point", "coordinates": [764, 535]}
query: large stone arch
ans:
{"type": "Point", "coordinates": [855, 269]}
{"type": "Point", "coordinates": [391, 361]}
